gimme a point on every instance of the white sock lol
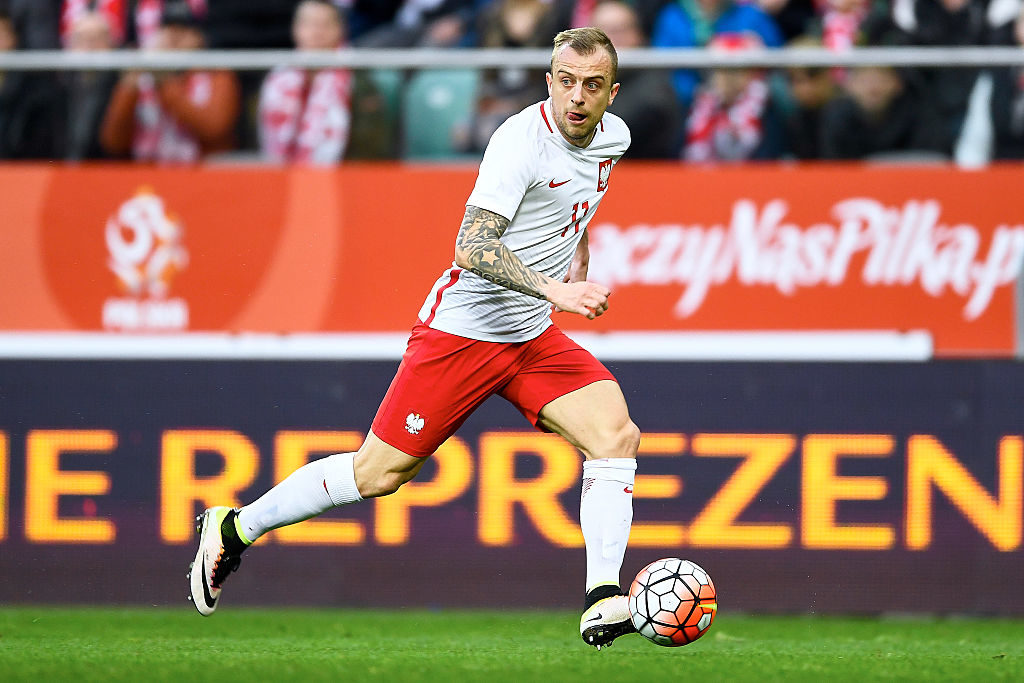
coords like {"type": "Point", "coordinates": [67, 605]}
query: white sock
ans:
{"type": "Point", "coordinates": [606, 513]}
{"type": "Point", "coordinates": [313, 488]}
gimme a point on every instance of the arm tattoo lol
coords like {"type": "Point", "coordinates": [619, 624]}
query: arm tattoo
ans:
{"type": "Point", "coordinates": [479, 240]}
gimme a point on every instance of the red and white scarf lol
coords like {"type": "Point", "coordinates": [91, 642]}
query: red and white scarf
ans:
{"type": "Point", "coordinates": [305, 119]}
{"type": "Point", "coordinates": [839, 27]}
{"type": "Point", "coordinates": [158, 136]}
{"type": "Point", "coordinates": [716, 132]}
{"type": "Point", "coordinates": [147, 20]}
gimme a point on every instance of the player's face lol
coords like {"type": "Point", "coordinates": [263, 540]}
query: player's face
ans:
{"type": "Point", "coordinates": [581, 89]}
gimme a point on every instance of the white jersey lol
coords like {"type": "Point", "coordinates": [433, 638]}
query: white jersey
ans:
{"type": "Point", "coordinates": [549, 189]}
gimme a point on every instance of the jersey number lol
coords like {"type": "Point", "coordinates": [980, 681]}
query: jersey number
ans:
{"type": "Point", "coordinates": [575, 209]}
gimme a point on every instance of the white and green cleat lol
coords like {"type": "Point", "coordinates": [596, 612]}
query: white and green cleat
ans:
{"type": "Point", "coordinates": [606, 620]}
{"type": "Point", "coordinates": [213, 562]}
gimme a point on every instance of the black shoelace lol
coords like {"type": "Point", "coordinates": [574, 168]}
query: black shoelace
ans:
{"type": "Point", "coordinates": [224, 566]}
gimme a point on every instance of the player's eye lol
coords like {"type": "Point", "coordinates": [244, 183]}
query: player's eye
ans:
{"type": "Point", "coordinates": [592, 85]}
{"type": "Point", "coordinates": [566, 82]}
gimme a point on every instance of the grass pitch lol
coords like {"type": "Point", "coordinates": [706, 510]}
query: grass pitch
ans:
{"type": "Point", "coordinates": [157, 644]}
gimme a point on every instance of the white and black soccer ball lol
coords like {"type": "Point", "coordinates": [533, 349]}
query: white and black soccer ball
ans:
{"type": "Point", "coordinates": [672, 602]}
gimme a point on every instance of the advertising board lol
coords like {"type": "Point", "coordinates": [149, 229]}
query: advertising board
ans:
{"type": "Point", "coordinates": [852, 487]}
{"type": "Point", "coordinates": [355, 249]}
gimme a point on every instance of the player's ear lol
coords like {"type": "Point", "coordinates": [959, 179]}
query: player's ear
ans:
{"type": "Point", "coordinates": [548, 78]}
{"type": "Point", "coordinates": [614, 91]}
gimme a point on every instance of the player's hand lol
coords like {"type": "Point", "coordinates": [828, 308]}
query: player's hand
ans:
{"type": "Point", "coordinates": [586, 298]}
{"type": "Point", "coordinates": [571, 277]}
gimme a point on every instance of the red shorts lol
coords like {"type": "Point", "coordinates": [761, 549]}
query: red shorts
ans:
{"type": "Point", "coordinates": [443, 378]}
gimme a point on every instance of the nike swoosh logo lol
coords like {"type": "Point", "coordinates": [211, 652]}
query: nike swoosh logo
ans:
{"type": "Point", "coordinates": [595, 618]}
{"type": "Point", "coordinates": [210, 602]}
{"type": "Point", "coordinates": [628, 489]}
{"type": "Point", "coordinates": [553, 184]}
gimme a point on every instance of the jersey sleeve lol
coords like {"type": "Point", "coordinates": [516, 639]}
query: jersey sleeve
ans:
{"type": "Point", "coordinates": [506, 172]}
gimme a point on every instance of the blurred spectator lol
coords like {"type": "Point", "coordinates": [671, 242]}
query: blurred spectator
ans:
{"type": "Point", "coordinates": [576, 13]}
{"type": "Point", "coordinates": [878, 115]}
{"type": "Point", "coordinates": [733, 116]}
{"type": "Point", "coordinates": [579, 13]}
{"type": "Point", "coordinates": [36, 23]}
{"type": "Point", "coordinates": [646, 100]}
{"type": "Point", "coordinates": [842, 24]}
{"type": "Point", "coordinates": [137, 22]}
{"type": "Point", "coordinates": [529, 23]}
{"type": "Point", "coordinates": [1007, 103]}
{"type": "Point", "coordinates": [87, 92]}
{"type": "Point", "coordinates": [646, 10]}
{"type": "Point", "coordinates": [91, 32]}
{"type": "Point", "coordinates": [837, 23]}
{"type": "Point", "coordinates": [944, 23]}
{"type": "Point", "coordinates": [172, 117]}
{"type": "Point", "coordinates": [845, 23]}
{"type": "Point", "coordinates": [145, 26]}
{"type": "Point", "coordinates": [811, 88]}
{"type": "Point", "coordinates": [692, 23]}
{"type": "Point", "coordinates": [305, 116]}
{"type": "Point", "coordinates": [364, 16]}
{"type": "Point", "coordinates": [250, 24]}
{"type": "Point", "coordinates": [113, 13]}
{"type": "Point", "coordinates": [414, 23]}
{"type": "Point", "coordinates": [793, 17]}
{"type": "Point", "coordinates": [29, 106]}
{"type": "Point", "coordinates": [505, 91]}
{"type": "Point", "coordinates": [8, 36]}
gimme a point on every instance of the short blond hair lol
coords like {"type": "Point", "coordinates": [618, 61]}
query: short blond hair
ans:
{"type": "Point", "coordinates": [585, 41]}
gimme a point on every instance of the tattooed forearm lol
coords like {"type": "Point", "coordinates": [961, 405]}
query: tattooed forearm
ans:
{"type": "Point", "coordinates": [479, 249]}
{"type": "Point", "coordinates": [508, 284]}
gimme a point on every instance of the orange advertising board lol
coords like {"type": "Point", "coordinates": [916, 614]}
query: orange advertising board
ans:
{"type": "Point", "coordinates": [125, 248]}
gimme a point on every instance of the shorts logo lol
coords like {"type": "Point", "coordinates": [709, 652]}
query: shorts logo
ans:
{"type": "Point", "coordinates": [604, 170]}
{"type": "Point", "coordinates": [414, 423]}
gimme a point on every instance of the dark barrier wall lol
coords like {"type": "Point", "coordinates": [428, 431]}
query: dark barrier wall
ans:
{"type": "Point", "coordinates": [824, 487]}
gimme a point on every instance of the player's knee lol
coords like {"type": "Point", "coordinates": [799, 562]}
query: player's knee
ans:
{"type": "Point", "coordinates": [383, 484]}
{"type": "Point", "coordinates": [629, 440]}
{"type": "Point", "coordinates": [380, 469]}
{"type": "Point", "coordinates": [623, 442]}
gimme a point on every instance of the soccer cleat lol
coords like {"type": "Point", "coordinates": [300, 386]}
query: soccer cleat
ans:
{"type": "Point", "coordinates": [213, 562]}
{"type": "Point", "coordinates": [606, 620]}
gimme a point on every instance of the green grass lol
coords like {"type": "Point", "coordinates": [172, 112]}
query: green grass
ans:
{"type": "Point", "coordinates": [138, 644]}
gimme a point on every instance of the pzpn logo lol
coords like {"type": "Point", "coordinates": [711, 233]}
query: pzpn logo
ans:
{"type": "Point", "coordinates": [146, 251]}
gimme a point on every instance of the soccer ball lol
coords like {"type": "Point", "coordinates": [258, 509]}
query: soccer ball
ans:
{"type": "Point", "coordinates": [672, 602]}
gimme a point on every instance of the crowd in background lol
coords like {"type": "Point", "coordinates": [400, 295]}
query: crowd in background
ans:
{"type": "Point", "coordinates": [292, 115]}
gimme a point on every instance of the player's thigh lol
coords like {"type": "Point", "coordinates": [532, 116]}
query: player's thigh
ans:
{"type": "Point", "coordinates": [380, 468]}
{"type": "Point", "coordinates": [441, 380]}
{"type": "Point", "coordinates": [595, 419]}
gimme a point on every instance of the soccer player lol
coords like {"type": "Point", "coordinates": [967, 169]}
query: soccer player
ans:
{"type": "Point", "coordinates": [485, 329]}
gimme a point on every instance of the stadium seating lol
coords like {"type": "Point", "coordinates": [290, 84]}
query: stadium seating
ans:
{"type": "Point", "coordinates": [436, 103]}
